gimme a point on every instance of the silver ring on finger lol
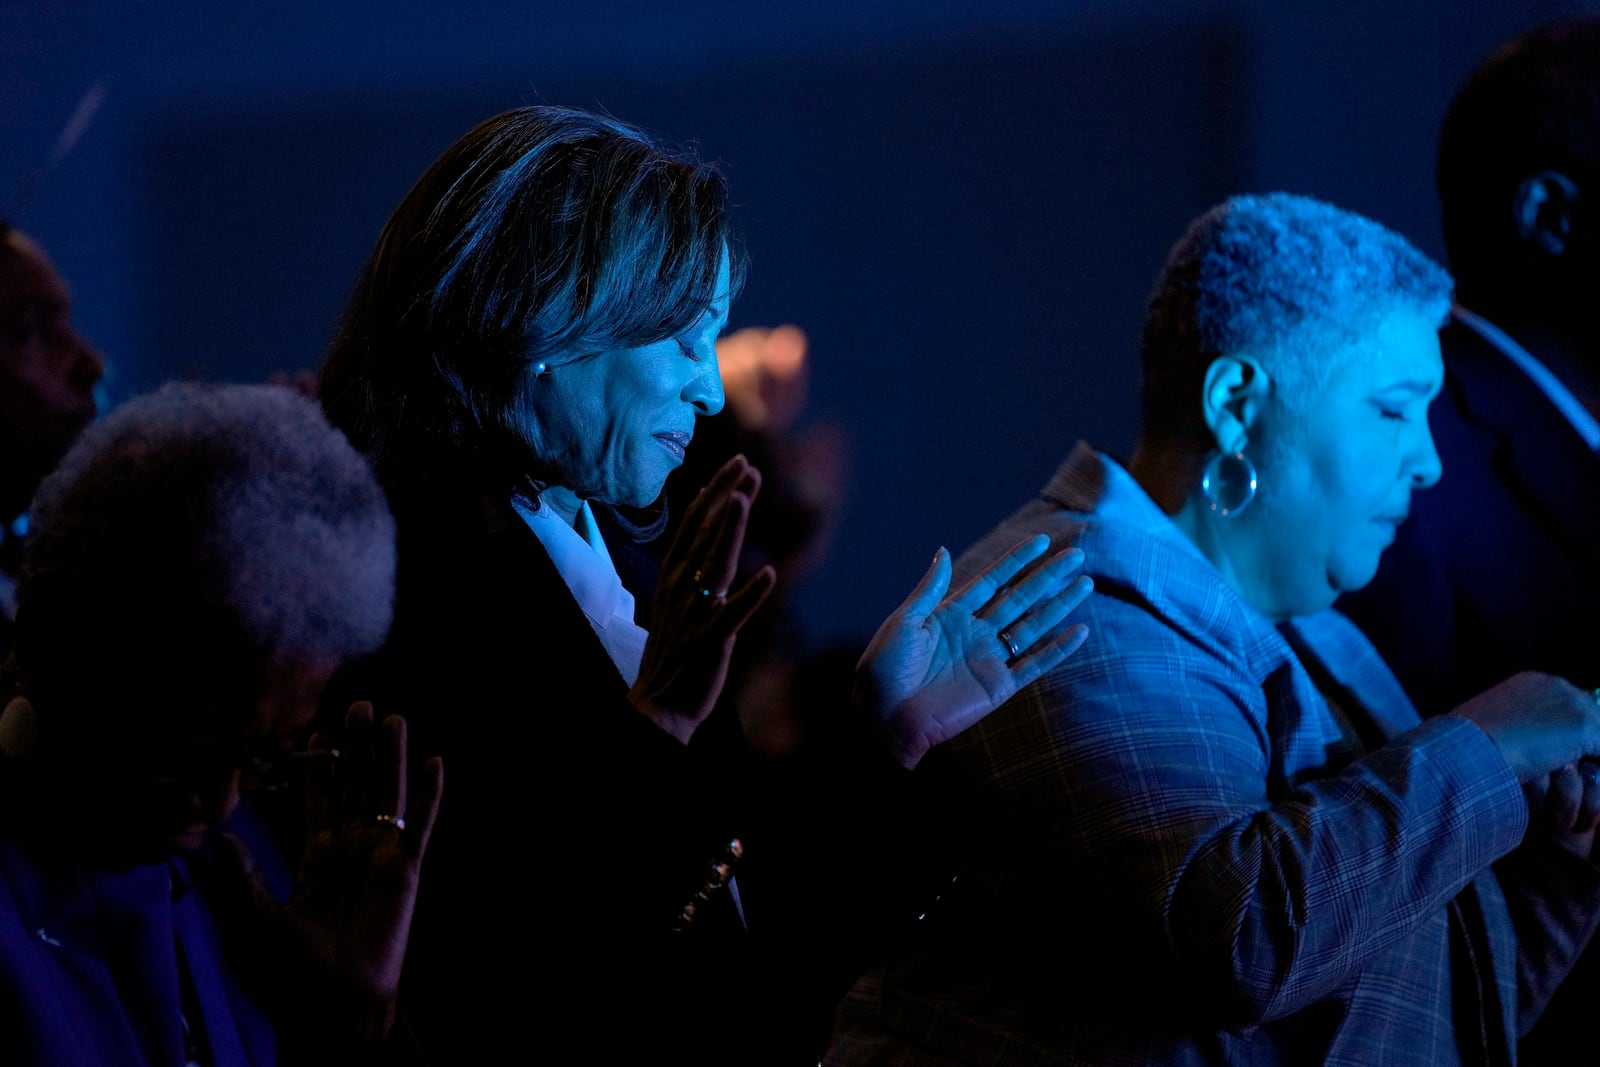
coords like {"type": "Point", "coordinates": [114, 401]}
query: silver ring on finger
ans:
{"type": "Point", "coordinates": [397, 821]}
{"type": "Point", "coordinates": [1011, 645]}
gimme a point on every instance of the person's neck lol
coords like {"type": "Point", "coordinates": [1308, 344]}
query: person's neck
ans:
{"type": "Point", "coordinates": [1168, 474]}
{"type": "Point", "coordinates": [563, 502]}
{"type": "Point", "coordinates": [1171, 477]}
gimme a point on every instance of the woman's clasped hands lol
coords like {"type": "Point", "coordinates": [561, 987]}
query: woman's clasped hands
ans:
{"type": "Point", "coordinates": [697, 612]}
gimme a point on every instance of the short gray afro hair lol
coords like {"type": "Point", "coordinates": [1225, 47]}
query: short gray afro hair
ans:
{"type": "Point", "coordinates": [195, 536]}
{"type": "Point", "coordinates": [1285, 278]}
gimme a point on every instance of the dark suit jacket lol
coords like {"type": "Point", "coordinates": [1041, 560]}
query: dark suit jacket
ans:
{"type": "Point", "coordinates": [1498, 568]}
{"type": "Point", "coordinates": [572, 830]}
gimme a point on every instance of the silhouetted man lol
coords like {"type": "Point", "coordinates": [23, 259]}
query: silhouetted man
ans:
{"type": "Point", "coordinates": [1498, 569]}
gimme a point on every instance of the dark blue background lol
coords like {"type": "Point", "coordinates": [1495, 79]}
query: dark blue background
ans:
{"type": "Point", "coordinates": [962, 203]}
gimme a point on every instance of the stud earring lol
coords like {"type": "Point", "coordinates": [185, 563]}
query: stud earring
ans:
{"type": "Point", "coordinates": [1229, 483]}
{"type": "Point", "coordinates": [541, 369]}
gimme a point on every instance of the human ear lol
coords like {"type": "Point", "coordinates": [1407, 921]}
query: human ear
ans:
{"type": "Point", "coordinates": [1231, 400]}
{"type": "Point", "coordinates": [1545, 208]}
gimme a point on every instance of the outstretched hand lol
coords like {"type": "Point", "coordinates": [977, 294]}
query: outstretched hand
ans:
{"type": "Point", "coordinates": [941, 663]}
{"type": "Point", "coordinates": [696, 615]}
{"type": "Point", "coordinates": [352, 903]}
{"type": "Point", "coordinates": [348, 918]}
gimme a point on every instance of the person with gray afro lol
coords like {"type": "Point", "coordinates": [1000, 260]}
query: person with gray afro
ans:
{"type": "Point", "coordinates": [198, 566]}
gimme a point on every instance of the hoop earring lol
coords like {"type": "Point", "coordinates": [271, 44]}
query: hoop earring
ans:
{"type": "Point", "coordinates": [1229, 483]}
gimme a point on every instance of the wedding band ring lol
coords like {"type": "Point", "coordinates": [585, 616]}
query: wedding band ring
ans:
{"type": "Point", "coordinates": [398, 821]}
{"type": "Point", "coordinates": [1011, 646]}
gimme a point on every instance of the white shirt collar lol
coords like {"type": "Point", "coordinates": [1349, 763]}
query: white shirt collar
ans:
{"type": "Point", "coordinates": [1569, 406]}
{"type": "Point", "coordinates": [580, 557]}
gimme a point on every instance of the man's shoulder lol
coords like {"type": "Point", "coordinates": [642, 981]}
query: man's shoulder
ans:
{"type": "Point", "coordinates": [1485, 386]}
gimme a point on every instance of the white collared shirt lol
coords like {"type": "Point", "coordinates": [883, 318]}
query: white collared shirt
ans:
{"type": "Point", "coordinates": [580, 556]}
{"type": "Point", "coordinates": [1576, 414]}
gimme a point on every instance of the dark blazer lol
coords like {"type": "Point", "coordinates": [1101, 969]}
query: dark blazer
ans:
{"type": "Point", "coordinates": [1498, 568]}
{"type": "Point", "coordinates": [572, 830]}
{"type": "Point", "coordinates": [89, 959]}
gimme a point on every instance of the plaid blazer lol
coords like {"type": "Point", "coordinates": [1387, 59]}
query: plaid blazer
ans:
{"type": "Point", "coordinates": [1187, 853]}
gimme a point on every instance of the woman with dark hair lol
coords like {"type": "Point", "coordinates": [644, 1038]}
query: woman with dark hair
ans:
{"type": "Point", "coordinates": [532, 339]}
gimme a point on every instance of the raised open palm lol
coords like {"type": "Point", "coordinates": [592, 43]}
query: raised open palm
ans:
{"type": "Point", "coordinates": [942, 662]}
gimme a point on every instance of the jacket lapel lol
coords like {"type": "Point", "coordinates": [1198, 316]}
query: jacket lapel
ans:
{"type": "Point", "coordinates": [1329, 644]}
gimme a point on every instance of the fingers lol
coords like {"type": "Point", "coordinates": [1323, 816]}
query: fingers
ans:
{"type": "Point", "coordinates": [705, 554]}
{"type": "Point", "coordinates": [716, 554]}
{"type": "Point", "coordinates": [734, 477]}
{"type": "Point", "coordinates": [1042, 581]}
{"type": "Point", "coordinates": [1563, 797]}
{"type": "Point", "coordinates": [977, 593]}
{"type": "Point", "coordinates": [1042, 585]}
{"type": "Point", "coordinates": [1044, 619]}
{"type": "Point", "coordinates": [931, 589]}
{"type": "Point", "coordinates": [738, 609]}
{"type": "Point", "coordinates": [365, 779]}
{"type": "Point", "coordinates": [388, 793]}
{"type": "Point", "coordinates": [356, 763]}
{"type": "Point", "coordinates": [1569, 798]}
{"type": "Point", "coordinates": [1036, 662]}
{"type": "Point", "coordinates": [419, 827]}
{"type": "Point", "coordinates": [319, 786]}
{"type": "Point", "coordinates": [365, 783]}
